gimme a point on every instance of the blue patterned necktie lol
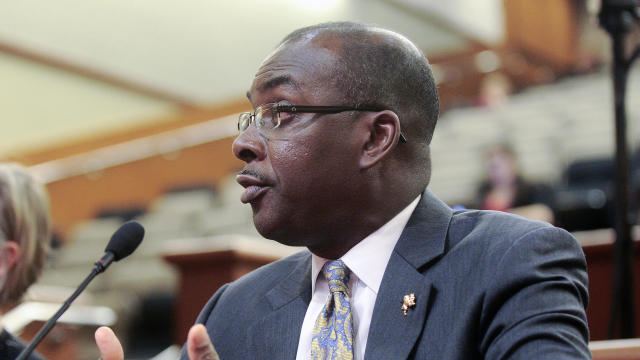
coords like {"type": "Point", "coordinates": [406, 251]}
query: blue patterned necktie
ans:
{"type": "Point", "coordinates": [333, 331]}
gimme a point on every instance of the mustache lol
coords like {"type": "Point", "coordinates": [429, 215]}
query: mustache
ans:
{"type": "Point", "coordinates": [254, 174]}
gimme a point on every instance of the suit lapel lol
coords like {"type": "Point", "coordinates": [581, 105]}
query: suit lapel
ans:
{"type": "Point", "coordinates": [277, 334]}
{"type": "Point", "coordinates": [393, 335]}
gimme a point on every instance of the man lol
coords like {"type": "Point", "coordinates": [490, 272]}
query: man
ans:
{"type": "Point", "coordinates": [337, 160]}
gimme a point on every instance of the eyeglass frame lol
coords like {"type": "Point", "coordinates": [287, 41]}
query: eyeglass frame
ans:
{"type": "Point", "coordinates": [312, 109]}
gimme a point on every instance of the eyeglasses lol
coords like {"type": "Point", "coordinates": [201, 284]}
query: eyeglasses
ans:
{"type": "Point", "coordinates": [269, 116]}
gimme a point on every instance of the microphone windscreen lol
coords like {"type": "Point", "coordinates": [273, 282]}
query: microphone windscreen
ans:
{"type": "Point", "coordinates": [125, 240]}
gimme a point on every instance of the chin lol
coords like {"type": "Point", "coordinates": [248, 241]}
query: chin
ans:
{"type": "Point", "coordinates": [278, 233]}
{"type": "Point", "coordinates": [267, 228]}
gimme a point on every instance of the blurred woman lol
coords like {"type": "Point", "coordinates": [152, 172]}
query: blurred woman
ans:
{"type": "Point", "coordinates": [25, 232]}
{"type": "Point", "coordinates": [506, 190]}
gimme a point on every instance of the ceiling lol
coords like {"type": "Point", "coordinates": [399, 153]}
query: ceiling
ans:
{"type": "Point", "coordinates": [202, 51]}
{"type": "Point", "coordinates": [73, 67]}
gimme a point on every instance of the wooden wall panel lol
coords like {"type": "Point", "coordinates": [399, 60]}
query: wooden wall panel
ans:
{"type": "Point", "coordinates": [85, 144]}
{"type": "Point", "coordinates": [137, 183]}
{"type": "Point", "coordinates": [546, 29]}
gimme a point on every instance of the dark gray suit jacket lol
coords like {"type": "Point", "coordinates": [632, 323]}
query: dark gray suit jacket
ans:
{"type": "Point", "coordinates": [488, 285]}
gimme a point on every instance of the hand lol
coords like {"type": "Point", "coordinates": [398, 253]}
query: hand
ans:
{"type": "Point", "coordinates": [199, 345]}
{"type": "Point", "coordinates": [108, 344]}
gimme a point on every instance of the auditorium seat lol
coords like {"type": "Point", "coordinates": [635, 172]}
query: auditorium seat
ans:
{"type": "Point", "coordinates": [230, 217]}
{"type": "Point", "coordinates": [185, 200]}
{"type": "Point", "coordinates": [183, 213]}
{"type": "Point", "coordinates": [585, 199]}
{"type": "Point", "coordinates": [549, 126]}
{"type": "Point", "coordinates": [71, 263]}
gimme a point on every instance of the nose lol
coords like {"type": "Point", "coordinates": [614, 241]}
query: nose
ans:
{"type": "Point", "coordinates": [248, 146]}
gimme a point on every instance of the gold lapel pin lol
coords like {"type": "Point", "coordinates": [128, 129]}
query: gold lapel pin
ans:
{"type": "Point", "coordinates": [408, 301]}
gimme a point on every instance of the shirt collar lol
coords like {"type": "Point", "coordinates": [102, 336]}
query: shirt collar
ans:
{"type": "Point", "coordinates": [368, 259]}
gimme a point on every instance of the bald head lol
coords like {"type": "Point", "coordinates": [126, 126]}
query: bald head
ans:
{"type": "Point", "coordinates": [378, 67]}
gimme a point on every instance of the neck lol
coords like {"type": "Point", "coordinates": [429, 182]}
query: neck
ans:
{"type": "Point", "coordinates": [341, 239]}
{"type": "Point", "coordinates": [330, 248]}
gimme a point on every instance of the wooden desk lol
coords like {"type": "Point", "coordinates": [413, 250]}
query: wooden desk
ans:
{"type": "Point", "coordinates": [207, 264]}
{"type": "Point", "coordinates": [627, 349]}
{"type": "Point", "coordinates": [598, 249]}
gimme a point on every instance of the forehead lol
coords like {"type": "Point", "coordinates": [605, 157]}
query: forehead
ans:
{"type": "Point", "coordinates": [302, 70]}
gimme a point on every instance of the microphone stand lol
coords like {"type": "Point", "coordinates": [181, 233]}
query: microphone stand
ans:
{"type": "Point", "coordinates": [98, 267]}
{"type": "Point", "coordinates": [617, 18]}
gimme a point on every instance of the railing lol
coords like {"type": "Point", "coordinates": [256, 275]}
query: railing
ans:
{"type": "Point", "coordinates": [166, 144]}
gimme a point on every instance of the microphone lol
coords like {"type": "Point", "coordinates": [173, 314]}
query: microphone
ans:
{"type": "Point", "coordinates": [123, 242]}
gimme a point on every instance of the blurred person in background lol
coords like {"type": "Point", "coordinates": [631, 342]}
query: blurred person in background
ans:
{"type": "Point", "coordinates": [25, 231]}
{"type": "Point", "coordinates": [505, 189]}
{"type": "Point", "coordinates": [494, 90]}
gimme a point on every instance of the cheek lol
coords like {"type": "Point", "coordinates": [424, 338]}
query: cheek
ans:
{"type": "Point", "coordinates": [292, 162]}
{"type": "Point", "coordinates": [307, 166]}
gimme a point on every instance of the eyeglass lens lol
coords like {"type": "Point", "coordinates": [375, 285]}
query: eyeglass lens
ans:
{"type": "Point", "coordinates": [263, 117]}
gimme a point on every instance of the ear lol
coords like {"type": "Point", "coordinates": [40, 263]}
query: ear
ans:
{"type": "Point", "coordinates": [9, 254]}
{"type": "Point", "coordinates": [383, 129]}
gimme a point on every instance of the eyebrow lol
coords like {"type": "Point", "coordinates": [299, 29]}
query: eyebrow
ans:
{"type": "Point", "coordinates": [275, 82]}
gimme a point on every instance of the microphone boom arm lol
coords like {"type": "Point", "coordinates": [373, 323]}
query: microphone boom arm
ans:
{"type": "Point", "coordinates": [49, 325]}
{"type": "Point", "coordinates": [123, 242]}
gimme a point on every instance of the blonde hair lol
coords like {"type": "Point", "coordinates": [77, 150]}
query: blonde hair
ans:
{"type": "Point", "coordinates": [24, 219]}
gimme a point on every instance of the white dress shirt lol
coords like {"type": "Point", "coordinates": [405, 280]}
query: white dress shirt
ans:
{"type": "Point", "coordinates": [367, 262]}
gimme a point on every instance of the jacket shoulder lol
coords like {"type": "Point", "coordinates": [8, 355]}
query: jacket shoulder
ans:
{"type": "Point", "coordinates": [266, 275]}
{"type": "Point", "coordinates": [495, 228]}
